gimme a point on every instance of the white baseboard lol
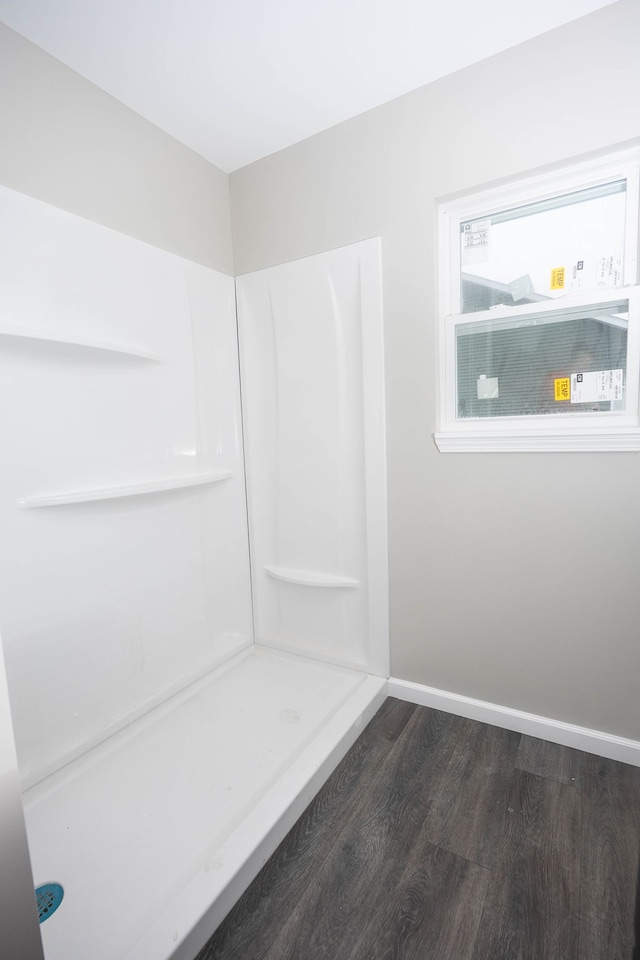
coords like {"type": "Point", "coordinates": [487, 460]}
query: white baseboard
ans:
{"type": "Point", "coordinates": [556, 731]}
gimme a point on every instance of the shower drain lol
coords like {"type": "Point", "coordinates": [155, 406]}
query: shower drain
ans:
{"type": "Point", "coordinates": [49, 897]}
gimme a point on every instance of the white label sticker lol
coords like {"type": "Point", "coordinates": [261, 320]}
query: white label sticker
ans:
{"type": "Point", "coordinates": [476, 233]}
{"type": "Point", "coordinates": [487, 388]}
{"type": "Point", "coordinates": [578, 275]}
{"type": "Point", "coordinates": [596, 272]}
{"type": "Point", "coordinates": [609, 271]}
{"type": "Point", "coordinates": [598, 387]}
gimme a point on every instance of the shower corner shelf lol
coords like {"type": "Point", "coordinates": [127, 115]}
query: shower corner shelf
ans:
{"type": "Point", "coordinates": [32, 333]}
{"type": "Point", "coordinates": [125, 490]}
{"type": "Point", "coordinates": [310, 578]}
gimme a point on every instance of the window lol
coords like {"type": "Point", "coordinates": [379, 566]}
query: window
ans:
{"type": "Point", "coordinates": [540, 335]}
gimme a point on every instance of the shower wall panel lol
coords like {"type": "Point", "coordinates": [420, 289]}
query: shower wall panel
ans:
{"type": "Point", "coordinates": [124, 569]}
{"type": "Point", "coordinates": [313, 403]}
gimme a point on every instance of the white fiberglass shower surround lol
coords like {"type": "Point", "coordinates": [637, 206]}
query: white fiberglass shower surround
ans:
{"type": "Point", "coordinates": [188, 652]}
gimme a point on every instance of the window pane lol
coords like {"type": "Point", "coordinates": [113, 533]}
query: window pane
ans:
{"type": "Point", "coordinates": [564, 362]}
{"type": "Point", "coordinates": [574, 242]}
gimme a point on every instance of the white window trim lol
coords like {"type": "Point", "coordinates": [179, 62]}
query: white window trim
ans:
{"type": "Point", "coordinates": [550, 432]}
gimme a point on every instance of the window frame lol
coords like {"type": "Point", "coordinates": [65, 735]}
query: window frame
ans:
{"type": "Point", "coordinates": [571, 431]}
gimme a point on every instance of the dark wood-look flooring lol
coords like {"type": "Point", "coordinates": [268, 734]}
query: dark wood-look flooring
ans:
{"type": "Point", "coordinates": [439, 838]}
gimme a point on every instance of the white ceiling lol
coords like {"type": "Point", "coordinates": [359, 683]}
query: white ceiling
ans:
{"type": "Point", "coordinates": [237, 80]}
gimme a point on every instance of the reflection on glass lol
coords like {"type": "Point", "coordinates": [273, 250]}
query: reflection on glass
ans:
{"type": "Point", "coordinates": [564, 362]}
{"type": "Point", "coordinates": [542, 250]}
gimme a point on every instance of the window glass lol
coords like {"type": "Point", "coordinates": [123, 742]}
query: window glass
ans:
{"type": "Point", "coordinates": [570, 361]}
{"type": "Point", "coordinates": [566, 244]}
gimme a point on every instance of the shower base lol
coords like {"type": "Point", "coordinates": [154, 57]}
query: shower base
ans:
{"type": "Point", "coordinates": [155, 833]}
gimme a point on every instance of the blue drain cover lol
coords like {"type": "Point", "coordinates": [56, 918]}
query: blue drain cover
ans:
{"type": "Point", "coordinates": [49, 897]}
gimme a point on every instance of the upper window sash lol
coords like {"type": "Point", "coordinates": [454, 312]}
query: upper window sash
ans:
{"type": "Point", "coordinates": [534, 195]}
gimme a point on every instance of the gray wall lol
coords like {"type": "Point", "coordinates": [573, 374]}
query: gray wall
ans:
{"type": "Point", "coordinates": [70, 144]}
{"type": "Point", "coordinates": [514, 577]}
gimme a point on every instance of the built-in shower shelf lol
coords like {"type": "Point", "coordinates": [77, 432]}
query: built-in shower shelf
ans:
{"type": "Point", "coordinates": [33, 333]}
{"type": "Point", "coordinates": [125, 490]}
{"type": "Point", "coordinates": [310, 578]}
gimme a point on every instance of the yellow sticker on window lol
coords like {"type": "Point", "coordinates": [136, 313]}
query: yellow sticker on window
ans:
{"type": "Point", "coordinates": [562, 388]}
{"type": "Point", "coordinates": [557, 279]}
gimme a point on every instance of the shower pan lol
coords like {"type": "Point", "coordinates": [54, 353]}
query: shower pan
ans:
{"type": "Point", "coordinates": [193, 591]}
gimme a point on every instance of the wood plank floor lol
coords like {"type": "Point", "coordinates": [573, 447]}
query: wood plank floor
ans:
{"type": "Point", "coordinates": [439, 838]}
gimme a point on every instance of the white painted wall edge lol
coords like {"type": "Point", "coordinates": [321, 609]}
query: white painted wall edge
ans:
{"type": "Point", "coordinates": [18, 911]}
{"type": "Point", "coordinates": [556, 731]}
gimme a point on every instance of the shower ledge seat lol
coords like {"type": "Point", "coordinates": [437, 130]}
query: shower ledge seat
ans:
{"type": "Point", "coordinates": [155, 832]}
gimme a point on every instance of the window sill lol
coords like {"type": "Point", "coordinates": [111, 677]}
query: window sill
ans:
{"type": "Point", "coordinates": [622, 439]}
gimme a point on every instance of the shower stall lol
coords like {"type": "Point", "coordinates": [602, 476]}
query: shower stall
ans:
{"type": "Point", "coordinates": [193, 587]}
